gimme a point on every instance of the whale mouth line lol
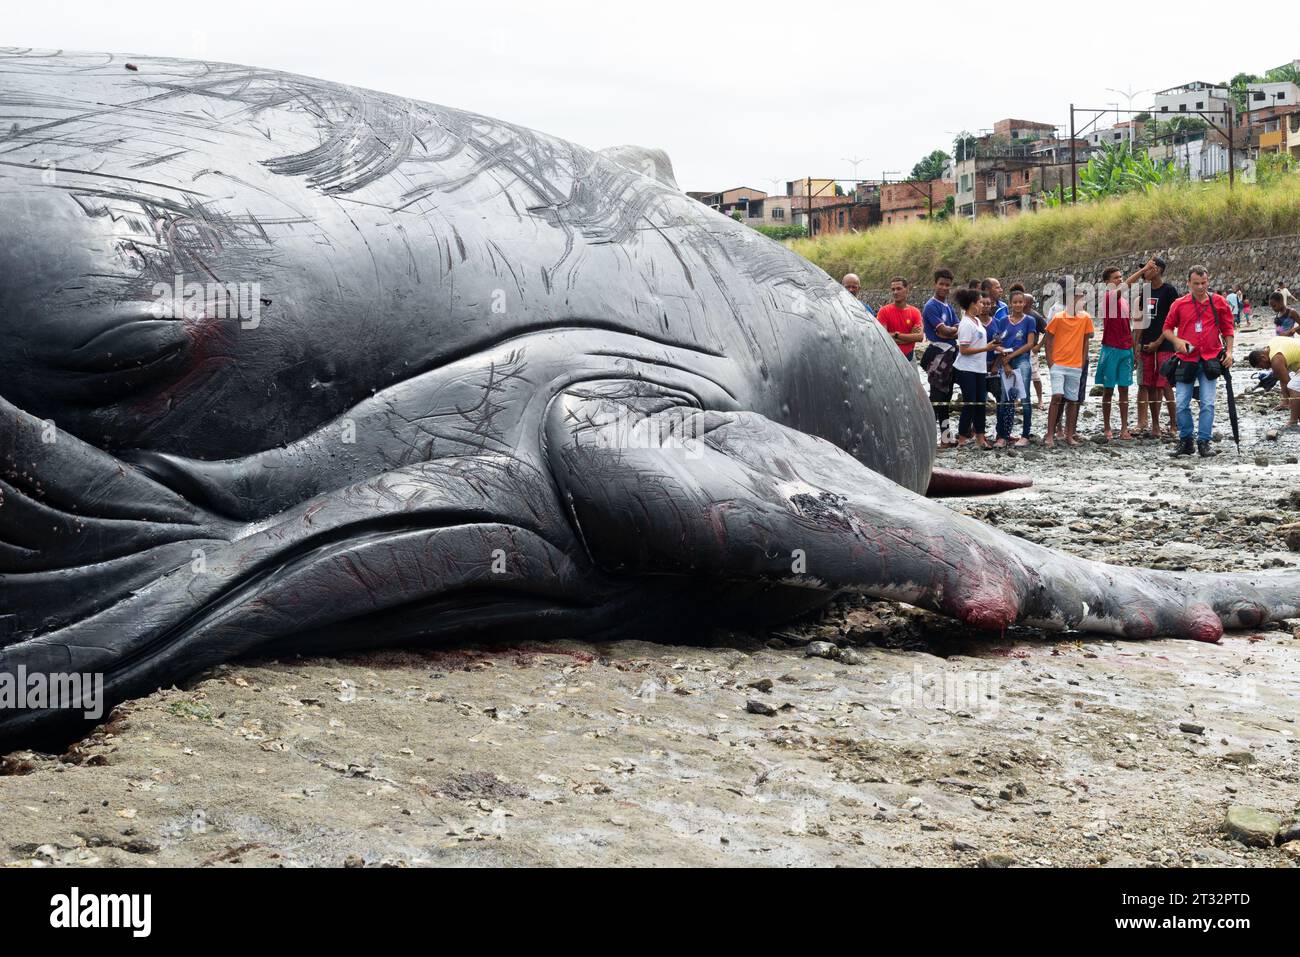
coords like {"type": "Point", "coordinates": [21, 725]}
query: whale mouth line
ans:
{"type": "Point", "coordinates": [251, 585]}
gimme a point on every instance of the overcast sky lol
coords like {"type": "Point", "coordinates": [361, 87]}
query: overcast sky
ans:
{"type": "Point", "coordinates": [738, 93]}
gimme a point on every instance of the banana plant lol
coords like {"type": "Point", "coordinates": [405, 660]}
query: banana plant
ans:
{"type": "Point", "coordinates": [1117, 169]}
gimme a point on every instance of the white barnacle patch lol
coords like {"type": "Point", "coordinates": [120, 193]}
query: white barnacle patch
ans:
{"type": "Point", "coordinates": [788, 490]}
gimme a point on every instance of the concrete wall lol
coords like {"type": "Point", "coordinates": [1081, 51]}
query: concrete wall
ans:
{"type": "Point", "coordinates": [1256, 264]}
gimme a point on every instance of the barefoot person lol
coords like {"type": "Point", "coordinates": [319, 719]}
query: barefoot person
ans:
{"type": "Point", "coordinates": [971, 367]}
{"type": "Point", "coordinates": [1065, 346]}
{"type": "Point", "coordinates": [1115, 365]}
{"type": "Point", "coordinates": [1282, 357]}
{"type": "Point", "coordinates": [1201, 330]}
{"type": "Point", "coordinates": [1153, 387]}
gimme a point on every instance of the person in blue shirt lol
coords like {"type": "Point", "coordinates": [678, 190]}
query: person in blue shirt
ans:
{"type": "Point", "coordinates": [853, 285]}
{"type": "Point", "coordinates": [1019, 332]}
{"type": "Point", "coordinates": [1284, 317]}
{"type": "Point", "coordinates": [1235, 299]}
{"type": "Point", "coordinates": [992, 288]}
{"type": "Point", "coordinates": [939, 322]}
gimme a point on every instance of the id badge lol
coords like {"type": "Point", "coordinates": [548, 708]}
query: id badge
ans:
{"type": "Point", "coordinates": [1198, 327]}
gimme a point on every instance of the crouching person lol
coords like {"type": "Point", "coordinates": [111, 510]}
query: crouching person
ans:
{"type": "Point", "coordinates": [1282, 357]}
{"type": "Point", "coordinates": [1200, 327]}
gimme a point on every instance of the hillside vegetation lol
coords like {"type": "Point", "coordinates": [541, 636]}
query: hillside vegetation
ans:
{"type": "Point", "coordinates": [1168, 216]}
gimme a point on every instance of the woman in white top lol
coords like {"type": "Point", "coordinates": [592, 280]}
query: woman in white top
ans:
{"type": "Point", "coordinates": [971, 368]}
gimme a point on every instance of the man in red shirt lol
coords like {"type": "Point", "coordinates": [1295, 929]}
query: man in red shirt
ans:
{"type": "Point", "coordinates": [901, 321]}
{"type": "Point", "coordinates": [1200, 327]}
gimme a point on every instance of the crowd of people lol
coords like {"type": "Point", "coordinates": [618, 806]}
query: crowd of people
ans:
{"type": "Point", "coordinates": [981, 341]}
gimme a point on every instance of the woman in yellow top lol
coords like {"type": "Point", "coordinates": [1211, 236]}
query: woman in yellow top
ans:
{"type": "Point", "coordinates": [1282, 357]}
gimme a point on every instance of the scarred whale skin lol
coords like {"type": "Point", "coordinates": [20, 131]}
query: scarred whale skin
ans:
{"type": "Point", "coordinates": [386, 237]}
{"type": "Point", "coordinates": [291, 365]}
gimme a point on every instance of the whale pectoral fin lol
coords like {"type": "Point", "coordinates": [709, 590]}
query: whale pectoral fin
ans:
{"type": "Point", "coordinates": [734, 496]}
{"type": "Point", "coordinates": [470, 545]}
{"type": "Point", "coordinates": [952, 483]}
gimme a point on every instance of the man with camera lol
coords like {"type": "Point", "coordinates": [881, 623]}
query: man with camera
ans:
{"type": "Point", "coordinates": [1200, 328]}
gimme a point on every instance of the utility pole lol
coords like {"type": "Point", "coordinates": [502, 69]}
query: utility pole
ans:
{"type": "Point", "coordinates": [1074, 188]}
{"type": "Point", "coordinates": [1232, 166]}
{"type": "Point", "coordinates": [810, 214]}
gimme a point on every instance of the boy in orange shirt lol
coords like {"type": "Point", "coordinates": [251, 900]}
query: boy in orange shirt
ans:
{"type": "Point", "coordinates": [1066, 345]}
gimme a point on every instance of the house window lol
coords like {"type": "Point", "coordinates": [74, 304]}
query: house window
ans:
{"type": "Point", "coordinates": [778, 212]}
{"type": "Point", "coordinates": [1182, 107]}
{"type": "Point", "coordinates": [1164, 109]}
{"type": "Point", "coordinates": [1200, 104]}
{"type": "Point", "coordinates": [841, 217]}
{"type": "Point", "coordinates": [1258, 96]}
{"type": "Point", "coordinates": [1281, 95]}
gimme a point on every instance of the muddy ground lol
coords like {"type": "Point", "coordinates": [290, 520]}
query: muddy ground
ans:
{"type": "Point", "coordinates": [922, 745]}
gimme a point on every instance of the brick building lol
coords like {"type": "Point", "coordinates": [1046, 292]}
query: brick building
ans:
{"type": "Point", "coordinates": [912, 201]}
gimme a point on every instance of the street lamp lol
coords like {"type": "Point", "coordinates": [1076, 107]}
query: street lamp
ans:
{"type": "Point", "coordinates": [1129, 94]}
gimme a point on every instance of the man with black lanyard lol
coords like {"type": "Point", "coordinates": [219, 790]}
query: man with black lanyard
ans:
{"type": "Point", "coordinates": [1201, 330]}
{"type": "Point", "coordinates": [939, 323]}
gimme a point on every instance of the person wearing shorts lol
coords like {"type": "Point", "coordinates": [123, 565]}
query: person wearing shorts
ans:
{"type": "Point", "coordinates": [1066, 346]}
{"type": "Point", "coordinates": [1115, 364]}
{"type": "Point", "coordinates": [1154, 349]}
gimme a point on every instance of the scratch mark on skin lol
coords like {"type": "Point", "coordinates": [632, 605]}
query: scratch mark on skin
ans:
{"type": "Point", "coordinates": [155, 160]}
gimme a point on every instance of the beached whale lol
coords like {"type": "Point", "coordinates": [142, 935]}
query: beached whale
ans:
{"type": "Point", "coordinates": [287, 365]}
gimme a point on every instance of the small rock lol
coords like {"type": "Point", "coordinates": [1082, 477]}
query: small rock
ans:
{"type": "Point", "coordinates": [1251, 827]}
{"type": "Point", "coordinates": [1291, 532]}
{"type": "Point", "coordinates": [822, 649]}
{"type": "Point", "coordinates": [754, 706]}
{"type": "Point", "coordinates": [762, 684]}
{"type": "Point", "coordinates": [851, 656]}
{"type": "Point", "coordinates": [1289, 833]}
{"type": "Point", "coordinates": [1271, 435]}
{"type": "Point", "coordinates": [998, 859]}
{"type": "Point", "coordinates": [1292, 849]}
{"type": "Point", "coordinates": [1188, 728]}
{"type": "Point", "coordinates": [1261, 460]}
{"type": "Point", "coordinates": [354, 860]}
{"type": "Point", "coordinates": [1241, 758]}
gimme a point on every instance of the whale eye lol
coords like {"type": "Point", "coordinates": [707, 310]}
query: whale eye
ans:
{"type": "Point", "coordinates": [121, 351]}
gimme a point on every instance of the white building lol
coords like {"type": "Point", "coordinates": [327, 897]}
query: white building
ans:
{"type": "Point", "coordinates": [1190, 98]}
{"type": "Point", "coordinates": [1201, 158]}
{"type": "Point", "coordinates": [1261, 95]}
{"type": "Point", "coordinates": [1125, 132]}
